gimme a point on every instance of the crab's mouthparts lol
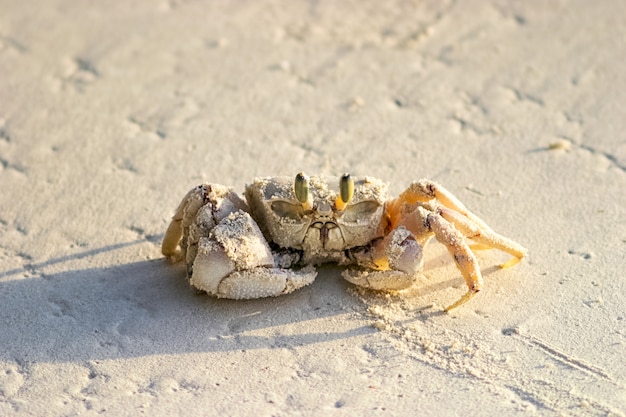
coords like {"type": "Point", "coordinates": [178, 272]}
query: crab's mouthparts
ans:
{"type": "Point", "coordinates": [324, 230]}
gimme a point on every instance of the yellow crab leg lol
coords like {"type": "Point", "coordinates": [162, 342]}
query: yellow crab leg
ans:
{"type": "Point", "coordinates": [426, 190]}
{"type": "Point", "coordinates": [484, 236]}
{"type": "Point", "coordinates": [465, 260]}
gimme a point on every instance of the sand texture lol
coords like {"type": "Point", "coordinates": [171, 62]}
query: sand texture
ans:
{"type": "Point", "coordinates": [111, 111]}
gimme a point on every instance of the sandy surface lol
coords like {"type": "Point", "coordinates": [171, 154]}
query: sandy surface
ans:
{"type": "Point", "coordinates": [109, 113]}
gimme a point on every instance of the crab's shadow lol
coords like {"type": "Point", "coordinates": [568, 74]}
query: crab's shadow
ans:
{"type": "Point", "coordinates": [147, 308]}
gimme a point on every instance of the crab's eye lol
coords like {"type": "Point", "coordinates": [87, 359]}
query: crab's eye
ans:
{"type": "Point", "coordinates": [346, 188]}
{"type": "Point", "coordinates": [287, 210]}
{"type": "Point", "coordinates": [360, 211]}
{"type": "Point", "coordinates": [301, 188]}
{"type": "Point", "coordinates": [346, 191]}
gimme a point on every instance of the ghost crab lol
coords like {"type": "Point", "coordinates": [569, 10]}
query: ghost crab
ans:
{"type": "Point", "coordinates": [266, 244]}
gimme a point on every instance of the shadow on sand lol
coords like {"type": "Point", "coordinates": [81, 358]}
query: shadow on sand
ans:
{"type": "Point", "coordinates": [147, 308]}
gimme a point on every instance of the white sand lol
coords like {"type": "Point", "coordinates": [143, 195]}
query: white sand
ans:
{"type": "Point", "coordinates": [110, 112]}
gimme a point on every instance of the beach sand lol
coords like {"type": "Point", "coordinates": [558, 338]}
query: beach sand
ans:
{"type": "Point", "coordinates": [111, 111]}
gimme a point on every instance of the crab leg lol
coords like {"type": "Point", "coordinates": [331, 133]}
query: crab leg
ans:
{"type": "Point", "coordinates": [467, 222]}
{"type": "Point", "coordinates": [169, 247]}
{"type": "Point", "coordinates": [426, 190]}
{"type": "Point", "coordinates": [484, 236]}
{"type": "Point", "coordinates": [185, 212]}
{"type": "Point", "coordinates": [465, 260]}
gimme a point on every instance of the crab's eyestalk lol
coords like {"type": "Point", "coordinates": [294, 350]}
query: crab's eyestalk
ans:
{"type": "Point", "coordinates": [346, 191]}
{"type": "Point", "coordinates": [301, 188]}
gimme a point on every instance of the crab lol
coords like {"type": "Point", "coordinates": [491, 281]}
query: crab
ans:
{"type": "Point", "coordinates": [269, 242]}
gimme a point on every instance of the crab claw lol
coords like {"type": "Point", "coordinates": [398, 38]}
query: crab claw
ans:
{"type": "Point", "coordinates": [264, 282]}
{"type": "Point", "coordinates": [397, 259]}
{"type": "Point", "coordinates": [234, 261]}
{"type": "Point", "coordinates": [215, 273]}
{"type": "Point", "coordinates": [402, 252]}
